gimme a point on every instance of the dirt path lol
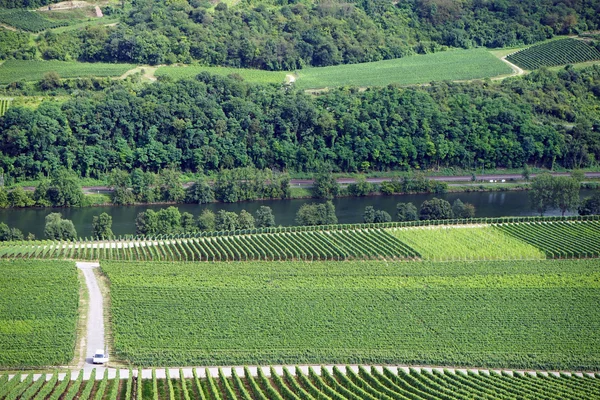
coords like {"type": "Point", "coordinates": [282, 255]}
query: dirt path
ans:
{"type": "Point", "coordinates": [95, 318]}
{"type": "Point", "coordinates": [10, 28]}
{"type": "Point", "coordinates": [148, 72]}
{"type": "Point", "coordinates": [517, 71]}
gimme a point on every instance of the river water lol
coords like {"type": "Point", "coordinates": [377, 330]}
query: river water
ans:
{"type": "Point", "coordinates": [348, 210]}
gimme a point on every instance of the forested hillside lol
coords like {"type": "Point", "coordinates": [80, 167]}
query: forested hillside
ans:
{"type": "Point", "coordinates": [205, 124]}
{"type": "Point", "coordinates": [292, 34]}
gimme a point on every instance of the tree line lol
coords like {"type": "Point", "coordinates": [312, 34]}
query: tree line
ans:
{"type": "Point", "coordinates": [214, 123]}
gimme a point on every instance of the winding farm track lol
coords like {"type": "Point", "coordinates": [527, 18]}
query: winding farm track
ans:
{"type": "Point", "coordinates": [95, 318]}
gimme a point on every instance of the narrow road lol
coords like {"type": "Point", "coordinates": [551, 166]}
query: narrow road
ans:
{"type": "Point", "coordinates": [95, 318]}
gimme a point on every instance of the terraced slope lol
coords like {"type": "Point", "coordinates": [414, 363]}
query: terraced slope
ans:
{"type": "Point", "coordinates": [556, 52]}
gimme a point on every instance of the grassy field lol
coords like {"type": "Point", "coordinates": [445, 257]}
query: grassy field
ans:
{"type": "Point", "coordinates": [518, 314]}
{"type": "Point", "coordinates": [38, 313]}
{"type": "Point", "coordinates": [466, 243]}
{"type": "Point", "coordinates": [250, 75]}
{"type": "Point", "coordinates": [15, 70]}
{"type": "Point", "coordinates": [451, 65]}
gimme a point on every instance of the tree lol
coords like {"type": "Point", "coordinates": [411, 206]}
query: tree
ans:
{"type": "Point", "coordinates": [526, 173]}
{"type": "Point", "coordinates": [369, 215]}
{"type": "Point", "coordinates": [200, 192]}
{"type": "Point", "coordinates": [590, 205]}
{"type": "Point", "coordinates": [406, 212]}
{"type": "Point", "coordinates": [187, 222]}
{"type": "Point", "coordinates": [64, 190]}
{"type": "Point", "coordinates": [566, 193]}
{"type": "Point", "coordinates": [541, 194]}
{"type": "Point", "coordinates": [50, 81]}
{"type": "Point", "coordinates": [264, 217]}
{"type": "Point", "coordinates": [325, 186]}
{"type": "Point", "coordinates": [578, 175]}
{"type": "Point", "coordinates": [169, 221]}
{"type": "Point", "coordinates": [18, 197]}
{"type": "Point", "coordinates": [435, 209]}
{"type": "Point", "coordinates": [361, 187]}
{"type": "Point", "coordinates": [382, 216]}
{"type": "Point", "coordinates": [101, 226]}
{"type": "Point", "coordinates": [245, 220]}
{"type": "Point", "coordinates": [463, 210]}
{"type": "Point", "coordinates": [120, 182]}
{"type": "Point", "coordinates": [146, 223]}
{"type": "Point", "coordinates": [316, 214]}
{"type": "Point", "coordinates": [3, 198]}
{"type": "Point", "coordinates": [206, 220]}
{"type": "Point", "coordinates": [59, 229]}
{"type": "Point", "coordinates": [226, 221]}
{"type": "Point", "coordinates": [170, 185]}
{"type": "Point", "coordinates": [7, 233]}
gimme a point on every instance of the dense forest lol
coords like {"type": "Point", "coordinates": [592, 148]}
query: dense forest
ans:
{"type": "Point", "coordinates": [290, 34]}
{"type": "Point", "coordinates": [212, 123]}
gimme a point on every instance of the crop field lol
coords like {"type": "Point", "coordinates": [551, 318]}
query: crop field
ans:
{"type": "Point", "coordinates": [555, 52]}
{"type": "Point", "coordinates": [568, 239]}
{"type": "Point", "coordinates": [509, 314]}
{"type": "Point", "coordinates": [249, 75]}
{"type": "Point", "coordinates": [31, 21]}
{"type": "Point", "coordinates": [33, 70]}
{"type": "Point", "coordinates": [303, 245]}
{"type": "Point", "coordinates": [308, 383]}
{"type": "Point", "coordinates": [450, 65]}
{"type": "Point", "coordinates": [38, 312]}
{"type": "Point", "coordinates": [454, 242]}
{"type": "Point", "coordinates": [4, 104]}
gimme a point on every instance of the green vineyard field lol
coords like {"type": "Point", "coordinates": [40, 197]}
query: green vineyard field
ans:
{"type": "Point", "coordinates": [501, 239]}
{"type": "Point", "coordinates": [569, 239]}
{"type": "Point", "coordinates": [373, 312]}
{"type": "Point", "coordinates": [338, 383]}
{"type": "Point", "coordinates": [556, 52]}
{"type": "Point", "coordinates": [4, 104]}
{"type": "Point", "coordinates": [26, 20]}
{"type": "Point", "coordinates": [38, 312]}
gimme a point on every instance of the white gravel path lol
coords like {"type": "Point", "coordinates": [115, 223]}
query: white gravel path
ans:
{"type": "Point", "coordinates": [95, 318]}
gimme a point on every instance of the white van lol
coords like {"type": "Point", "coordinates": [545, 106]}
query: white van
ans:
{"type": "Point", "coordinates": [100, 357]}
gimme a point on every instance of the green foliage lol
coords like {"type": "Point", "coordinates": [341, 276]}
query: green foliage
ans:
{"type": "Point", "coordinates": [18, 198]}
{"type": "Point", "coordinates": [170, 186]}
{"type": "Point", "coordinates": [200, 192]}
{"type": "Point", "coordinates": [406, 212]}
{"type": "Point", "coordinates": [381, 309]}
{"type": "Point", "coordinates": [316, 214]}
{"type": "Point", "coordinates": [590, 205]}
{"type": "Point", "coordinates": [449, 65]}
{"type": "Point", "coordinates": [64, 189]}
{"type": "Point", "coordinates": [325, 186]}
{"type": "Point", "coordinates": [38, 313]}
{"type": "Point", "coordinates": [245, 220]}
{"type": "Point", "coordinates": [7, 233]}
{"type": "Point", "coordinates": [226, 221]}
{"type": "Point", "coordinates": [435, 209]}
{"type": "Point", "coordinates": [361, 187]}
{"type": "Point", "coordinates": [16, 70]}
{"type": "Point", "coordinates": [101, 226]}
{"type": "Point", "coordinates": [463, 210]}
{"type": "Point", "coordinates": [549, 191]}
{"type": "Point", "coordinates": [58, 228]}
{"type": "Point", "coordinates": [375, 216]}
{"type": "Point", "coordinates": [207, 220]}
{"type": "Point", "coordinates": [555, 52]}
{"type": "Point", "coordinates": [466, 243]}
{"type": "Point", "coordinates": [264, 217]}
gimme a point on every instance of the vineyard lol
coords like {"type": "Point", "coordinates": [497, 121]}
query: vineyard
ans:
{"type": "Point", "coordinates": [496, 239]}
{"type": "Point", "coordinates": [569, 239]}
{"type": "Point", "coordinates": [451, 313]}
{"type": "Point", "coordinates": [308, 245]}
{"type": "Point", "coordinates": [556, 52]}
{"type": "Point", "coordinates": [30, 21]}
{"type": "Point", "coordinates": [38, 312]}
{"type": "Point", "coordinates": [466, 242]}
{"type": "Point", "coordinates": [4, 104]}
{"type": "Point", "coordinates": [356, 383]}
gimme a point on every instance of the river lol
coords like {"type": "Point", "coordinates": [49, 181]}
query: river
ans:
{"type": "Point", "coordinates": [348, 210]}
